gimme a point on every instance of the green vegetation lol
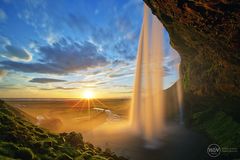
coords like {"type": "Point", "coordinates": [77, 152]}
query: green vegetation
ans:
{"type": "Point", "coordinates": [218, 120]}
{"type": "Point", "coordinates": [186, 78]}
{"type": "Point", "coordinates": [20, 139]}
{"type": "Point", "coordinates": [219, 126]}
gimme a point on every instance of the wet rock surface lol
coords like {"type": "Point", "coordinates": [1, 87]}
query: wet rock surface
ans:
{"type": "Point", "coordinates": [206, 35]}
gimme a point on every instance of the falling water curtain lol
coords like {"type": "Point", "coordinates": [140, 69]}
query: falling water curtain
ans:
{"type": "Point", "coordinates": [147, 112]}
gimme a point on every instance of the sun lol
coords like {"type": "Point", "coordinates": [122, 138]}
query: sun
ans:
{"type": "Point", "coordinates": [88, 95]}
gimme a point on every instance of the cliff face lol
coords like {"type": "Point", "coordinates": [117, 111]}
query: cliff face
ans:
{"type": "Point", "coordinates": [207, 36]}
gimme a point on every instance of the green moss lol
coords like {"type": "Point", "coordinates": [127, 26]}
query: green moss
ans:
{"type": "Point", "coordinates": [84, 156]}
{"type": "Point", "coordinates": [6, 158]}
{"type": "Point", "coordinates": [8, 149]}
{"type": "Point", "coordinates": [186, 78]}
{"type": "Point", "coordinates": [64, 156]}
{"type": "Point", "coordinates": [22, 140]}
{"type": "Point", "coordinates": [219, 126]}
{"type": "Point", "coordinates": [25, 153]}
{"type": "Point", "coordinates": [97, 157]}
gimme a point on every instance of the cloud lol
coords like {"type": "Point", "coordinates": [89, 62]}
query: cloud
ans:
{"type": "Point", "coordinates": [173, 58]}
{"type": "Point", "coordinates": [58, 88]}
{"type": "Point", "coordinates": [133, 3]}
{"type": "Point", "coordinates": [101, 35]}
{"type": "Point", "coordinates": [62, 57]}
{"type": "Point", "coordinates": [72, 56]}
{"type": "Point", "coordinates": [168, 71]}
{"type": "Point", "coordinates": [36, 4]}
{"type": "Point", "coordinates": [12, 52]}
{"type": "Point", "coordinates": [4, 41]}
{"type": "Point", "coordinates": [3, 73]}
{"type": "Point", "coordinates": [17, 54]}
{"type": "Point", "coordinates": [121, 74]}
{"type": "Point", "coordinates": [123, 24]}
{"type": "Point", "coordinates": [125, 50]}
{"type": "Point", "coordinates": [127, 87]}
{"type": "Point", "coordinates": [78, 22]}
{"type": "Point", "coordinates": [10, 86]}
{"type": "Point", "coordinates": [114, 75]}
{"type": "Point", "coordinates": [46, 80]}
{"type": "Point", "coordinates": [131, 36]}
{"type": "Point", "coordinates": [52, 38]}
{"type": "Point", "coordinates": [170, 63]}
{"type": "Point", "coordinates": [30, 67]}
{"type": "Point", "coordinates": [83, 82]}
{"type": "Point", "coordinates": [66, 88]}
{"type": "Point", "coordinates": [3, 15]}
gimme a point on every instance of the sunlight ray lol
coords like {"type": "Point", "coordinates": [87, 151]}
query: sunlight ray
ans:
{"type": "Point", "coordinates": [102, 103]}
{"type": "Point", "coordinates": [76, 103]}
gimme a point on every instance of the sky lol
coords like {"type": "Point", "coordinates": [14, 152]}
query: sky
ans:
{"type": "Point", "coordinates": [58, 49]}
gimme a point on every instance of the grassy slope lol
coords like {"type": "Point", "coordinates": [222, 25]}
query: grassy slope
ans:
{"type": "Point", "coordinates": [20, 139]}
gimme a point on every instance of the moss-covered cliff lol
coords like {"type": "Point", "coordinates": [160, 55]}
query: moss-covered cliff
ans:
{"type": "Point", "coordinates": [207, 34]}
{"type": "Point", "coordinates": [20, 139]}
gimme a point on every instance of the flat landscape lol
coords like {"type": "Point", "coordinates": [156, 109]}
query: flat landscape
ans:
{"type": "Point", "coordinates": [66, 115]}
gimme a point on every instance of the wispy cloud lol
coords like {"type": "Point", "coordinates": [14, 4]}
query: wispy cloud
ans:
{"type": "Point", "coordinates": [46, 80]}
{"type": "Point", "coordinates": [61, 58]}
{"type": "Point", "coordinates": [16, 54]}
{"type": "Point", "coordinates": [3, 15]}
{"type": "Point", "coordinates": [4, 41]}
{"type": "Point", "coordinates": [78, 23]}
{"type": "Point", "coordinates": [120, 75]}
{"type": "Point", "coordinates": [10, 86]}
{"type": "Point", "coordinates": [83, 82]}
{"type": "Point", "coordinates": [59, 88]}
{"type": "Point", "coordinates": [170, 63]}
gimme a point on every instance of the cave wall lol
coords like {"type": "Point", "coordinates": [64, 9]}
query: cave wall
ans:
{"type": "Point", "coordinates": [206, 34]}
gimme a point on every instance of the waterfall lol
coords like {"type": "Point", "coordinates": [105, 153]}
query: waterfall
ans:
{"type": "Point", "coordinates": [180, 97]}
{"type": "Point", "coordinates": [147, 111]}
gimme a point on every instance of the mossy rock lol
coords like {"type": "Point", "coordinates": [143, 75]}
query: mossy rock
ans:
{"type": "Point", "coordinates": [6, 158]}
{"type": "Point", "coordinates": [97, 157]}
{"type": "Point", "coordinates": [64, 156]}
{"type": "Point", "coordinates": [8, 149]}
{"type": "Point", "coordinates": [25, 153]}
{"type": "Point", "coordinates": [84, 156]}
{"type": "Point", "coordinates": [75, 139]}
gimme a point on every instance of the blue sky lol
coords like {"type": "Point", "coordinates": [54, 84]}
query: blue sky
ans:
{"type": "Point", "coordinates": [54, 48]}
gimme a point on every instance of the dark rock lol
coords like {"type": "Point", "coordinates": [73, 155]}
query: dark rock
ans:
{"type": "Point", "coordinates": [206, 34]}
{"type": "Point", "coordinates": [75, 139]}
{"type": "Point", "coordinates": [64, 157]}
{"type": "Point", "coordinates": [25, 153]}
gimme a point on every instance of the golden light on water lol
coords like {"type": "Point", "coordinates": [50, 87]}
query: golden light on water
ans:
{"type": "Point", "coordinates": [88, 95]}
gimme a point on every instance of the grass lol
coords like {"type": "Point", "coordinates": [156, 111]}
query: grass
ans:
{"type": "Point", "coordinates": [20, 139]}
